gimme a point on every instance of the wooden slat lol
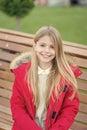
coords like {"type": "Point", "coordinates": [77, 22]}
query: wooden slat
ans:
{"type": "Point", "coordinates": [6, 121]}
{"type": "Point", "coordinates": [81, 117]}
{"type": "Point", "coordinates": [6, 75]}
{"type": "Point", "coordinates": [30, 36]}
{"type": "Point", "coordinates": [5, 93]}
{"type": "Point", "coordinates": [6, 84]}
{"type": "Point", "coordinates": [16, 39]}
{"type": "Point", "coordinates": [76, 52]}
{"type": "Point", "coordinates": [83, 97]}
{"type": "Point", "coordinates": [76, 45]}
{"type": "Point", "coordinates": [14, 46]}
{"type": "Point", "coordinates": [83, 107]}
{"type": "Point", "coordinates": [7, 56]}
{"type": "Point", "coordinates": [4, 65]}
{"type": "Point", "coordinates": [78, 126]}
{"type": "Point", "coordinates": [81, 62]}
{"type": "Point", "coordinates": [5, 102]}
{"type": "Point", "coordinates": [82, 85]}
{"type": "Point", "coordinates": [6, 116]}
{"type": "Point", "coordinates": [16, 33]}
{"type": "Point", "coordinates": [5, 126]}
{"type": "Point", "coordinates": [4, 109]}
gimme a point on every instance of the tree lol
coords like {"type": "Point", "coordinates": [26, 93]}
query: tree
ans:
{"type": "Point", "coordinates": [16, 8]}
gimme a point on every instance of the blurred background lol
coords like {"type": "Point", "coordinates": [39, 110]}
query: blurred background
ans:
{"type": "Point", "coordinates": [68, 16]}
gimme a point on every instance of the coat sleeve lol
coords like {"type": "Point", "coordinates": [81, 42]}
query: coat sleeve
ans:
{"type": "Point", "coordinates": [22, 119]}
{"type": "Point", "coordinates": [67, 112]}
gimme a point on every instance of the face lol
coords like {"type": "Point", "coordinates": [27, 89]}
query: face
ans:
{"type": "Point", "coordinates": [45, 51]}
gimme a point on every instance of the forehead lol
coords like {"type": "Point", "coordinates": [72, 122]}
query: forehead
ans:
{"type": "Point", "coordinates": [46, 40]}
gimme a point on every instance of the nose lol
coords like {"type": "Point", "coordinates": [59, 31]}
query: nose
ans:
{"type": "Point", "coordinates": [47, 49]}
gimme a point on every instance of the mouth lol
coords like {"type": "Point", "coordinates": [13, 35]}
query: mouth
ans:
{"type": "Point", "coordinates": [45, 55]}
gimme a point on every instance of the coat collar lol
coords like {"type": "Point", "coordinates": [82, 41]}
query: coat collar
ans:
{"type": "Point", "coordinates": [23, 58]}
{"type": "Point", "coordinates": [42, 71]}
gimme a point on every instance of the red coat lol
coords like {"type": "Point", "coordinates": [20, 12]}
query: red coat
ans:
{"type": "Point", "coordinates": [60, 114]}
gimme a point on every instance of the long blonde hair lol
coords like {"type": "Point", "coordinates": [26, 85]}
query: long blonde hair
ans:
{"type": "Point", "coordinates": [60, 67]}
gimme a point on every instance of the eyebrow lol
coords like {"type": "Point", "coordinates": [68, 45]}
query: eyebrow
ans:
{"type": "Point", "coordinates": [41, 42]}
{"type": "Point", "coordinates": [45, 43]}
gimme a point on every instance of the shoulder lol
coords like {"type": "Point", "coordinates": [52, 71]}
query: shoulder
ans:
{"type": "Point", "coordinates": [19, 60]}
{"type": "Point", "coordinates": [74, 67]}
{"type": "Point", "coordinates": [21, 64]}
{"type": "Point", "coordinates": [76, 70]}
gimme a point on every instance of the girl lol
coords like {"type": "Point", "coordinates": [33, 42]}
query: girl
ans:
{"type": "Point", "coordinates": [44, 94]}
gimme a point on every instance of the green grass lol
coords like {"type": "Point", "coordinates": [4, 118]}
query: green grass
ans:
{"type": "Point", "coordinates": [70, 21]}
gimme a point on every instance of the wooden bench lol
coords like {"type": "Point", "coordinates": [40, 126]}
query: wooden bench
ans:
{"type": "Point", "coordinates": [13, 43]}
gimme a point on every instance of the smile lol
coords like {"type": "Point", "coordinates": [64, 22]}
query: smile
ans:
{"type": "Point", "coordinates": [45, 55]}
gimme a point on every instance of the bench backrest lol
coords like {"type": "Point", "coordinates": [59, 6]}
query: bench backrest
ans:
{"type": "Point", "coordinates": [13, 43]}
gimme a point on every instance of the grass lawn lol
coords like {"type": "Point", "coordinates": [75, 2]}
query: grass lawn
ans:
{"type": "Point", "coordinates": [70, 21]}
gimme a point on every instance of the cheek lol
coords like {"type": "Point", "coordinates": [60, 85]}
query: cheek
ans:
{"type": "Point", "coordinates": [54, 53]}
{"type": "Point", "coordinates": [36, 48]}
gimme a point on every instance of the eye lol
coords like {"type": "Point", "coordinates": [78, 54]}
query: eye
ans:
{"type": "Point", "coordinates": [52, 46]}
{"type": "Point", "coordinates": [42, 45]}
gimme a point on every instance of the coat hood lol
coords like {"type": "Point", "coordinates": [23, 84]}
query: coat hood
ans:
{"type": "Point", "coordinates": [23, 58]}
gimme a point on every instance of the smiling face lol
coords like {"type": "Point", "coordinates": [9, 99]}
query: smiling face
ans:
{"type": "Point", "coordinates": [45, 51]}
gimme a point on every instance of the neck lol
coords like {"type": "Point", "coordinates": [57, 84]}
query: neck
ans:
{"type": "Point", "coordinates": [44, 66]}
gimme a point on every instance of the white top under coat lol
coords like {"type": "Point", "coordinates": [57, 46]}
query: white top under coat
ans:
{"type": "Point", "coordinates": [40, 112]}
{"type": "Point", "coordinates": [42, 71]}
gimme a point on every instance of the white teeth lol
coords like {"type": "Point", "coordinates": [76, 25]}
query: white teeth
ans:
{"type": "Point", "coordinates": [45, 55]}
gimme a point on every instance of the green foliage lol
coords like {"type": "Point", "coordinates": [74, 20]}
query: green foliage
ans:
{"type": "Point", "coordinates": [70, 21]}
{"type": "Point", "coordinates": [18, 8]}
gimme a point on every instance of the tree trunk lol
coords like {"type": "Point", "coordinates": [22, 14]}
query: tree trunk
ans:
{"type": "Point", "coordinates": [67, 2]}
{"type": "Point", "coordinates": [17, 23]}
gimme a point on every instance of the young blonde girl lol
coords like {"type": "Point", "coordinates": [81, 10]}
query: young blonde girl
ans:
{"type": "Point", "coordinates": [44, 94]}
